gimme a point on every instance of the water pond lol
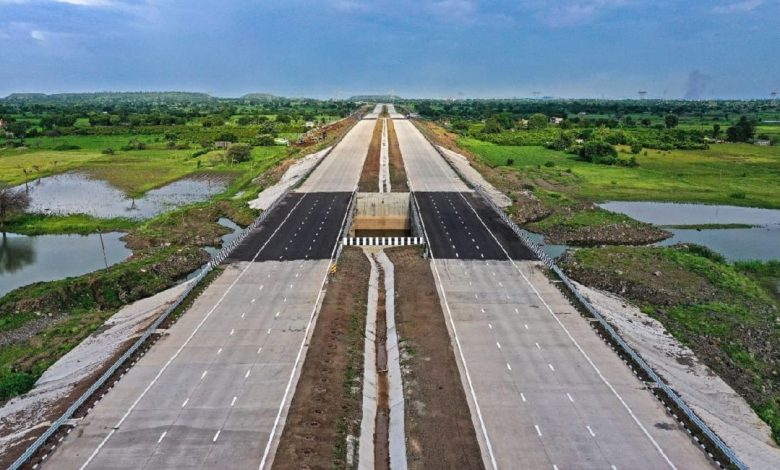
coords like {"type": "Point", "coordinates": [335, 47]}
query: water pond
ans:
{"type": "Point", "coordinates": [77, 193]}
{"type": "Point", "coordinates": [761, 241]}
{"type": "Point", "coordinates": [25, 260]}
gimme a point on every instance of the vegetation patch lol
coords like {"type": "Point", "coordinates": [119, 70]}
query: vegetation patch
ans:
{"type": "Point", "coordinates": [62, 313]}
{"type": "Point", "coordinates": [723, 312]}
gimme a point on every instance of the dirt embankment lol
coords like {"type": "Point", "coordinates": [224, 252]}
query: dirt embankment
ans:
{"type": "Point", "coordinates": [369, 178]}
{"type": "Point", "coordinates": [397, 170]}
{"type": "Point", "coordinates": [727, 319]}
{"type": "Point", "coordinates": [439, 430]}
{"type": "Point", "coordinates": [326, 408]}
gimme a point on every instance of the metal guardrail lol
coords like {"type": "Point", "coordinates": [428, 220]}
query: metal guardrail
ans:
{"type": "Point", "coordinates": [615, 336]}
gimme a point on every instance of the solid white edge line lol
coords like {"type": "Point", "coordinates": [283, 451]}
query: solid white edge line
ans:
{"type": "Point", "coordinates": [440, 288]}
{"type": "Point", "coordinates": [576, 344]}
{"type": "Point", "coordinates": [186, 342]}
{"type": "Point", "coordinates": [301, 348]}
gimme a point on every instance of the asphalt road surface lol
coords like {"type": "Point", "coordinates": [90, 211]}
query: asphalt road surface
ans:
{"type": "Point", "coordinates": [463, 226]}
{"type": "Point", "coordinates": [425, 168]}
{"type": "Point", "coordinates": [303, 226]}
{"type": "Point", "coordinates": [544, 390]}
{"type": "Point", "coordinates": [340, 170]}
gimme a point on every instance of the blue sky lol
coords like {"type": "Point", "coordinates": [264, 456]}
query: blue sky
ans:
{"type": "Point", "coordinates": [415, 48]}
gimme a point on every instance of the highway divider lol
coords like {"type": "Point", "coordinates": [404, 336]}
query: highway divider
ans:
{"type": "Point", "coordinates": [715, 447]}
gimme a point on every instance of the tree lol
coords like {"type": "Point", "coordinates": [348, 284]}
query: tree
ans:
{"type": "Point", "coordinates": [283, 118]}
{"type": "Point", "coordinates": [598, 151]}
{"type": "Point", "coordinates": [264, 140]}
{"type": "Point", "coordinates": [491, 126]}
{"type": "Point", "coordinates": [715, 131]}
{"type": "Point", "coordinates": [537, 121]}
{"type": "Point", "coordinates": [636, 147]}
{"type": "Point", "coordinates": [671, 121]}
{"type": "Point", "coordinates": [12, 202]}
{"type": "Point", "coordinates": [238, 153]}
{"type": "Point", "coordinates": [742, 131]}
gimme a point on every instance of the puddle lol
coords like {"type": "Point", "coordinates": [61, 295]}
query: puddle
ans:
{"type": "Point", "coordinates": [25, 260]}
{"type": "Point", "coordinates": [77, 193]}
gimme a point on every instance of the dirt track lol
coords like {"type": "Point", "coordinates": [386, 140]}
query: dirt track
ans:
{"type": "Point", "coordinates": [439, 430]}
{"type": "Point", "coordinates": [397, 171]}
{"type": "Point", "coordinates": [369, 178]}
{"type": "Point", "coordinates": [326, 407]}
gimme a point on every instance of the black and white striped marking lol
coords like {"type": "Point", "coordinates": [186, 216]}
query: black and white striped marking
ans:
{"type": "Point", "coordinates": [382, 241]}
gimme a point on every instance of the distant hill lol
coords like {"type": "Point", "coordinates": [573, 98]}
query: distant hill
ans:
{"type": "Point", "coordinates": [374, 98]}
{"type": "Point", "coordinates": [101, 97]}
{"type": "Point", "coordinates": [259, 97]}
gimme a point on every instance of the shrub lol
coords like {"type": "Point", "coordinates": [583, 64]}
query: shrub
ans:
{"type": "Point", "coordinates": [510, 161]}
{"type": "Point", "coordinates": [549, 164]}
{"type": "Point", "coordinates": [238, 153]}
{"type": "Point", "coordinates": [597, 151]}
{"type": "Point", "coordinates": [15, 383]}
{"type": "Point", "coordinates": [107, 151]}
{"type": "Point", "coordinates": [63, 147]}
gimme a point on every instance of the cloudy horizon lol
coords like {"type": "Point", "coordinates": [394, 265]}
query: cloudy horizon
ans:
{"type": "Point", "coordinates": [428, 48]}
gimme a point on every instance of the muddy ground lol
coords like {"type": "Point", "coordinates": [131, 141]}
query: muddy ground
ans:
{"type": "Point", "coordinates": [326, 407]}
{"type": "Point", "coordinates": [439, 430]}
{"type": "Point", "coordinates": [397, 171]}
{"type": "Point", "coordinates": [369, 178]}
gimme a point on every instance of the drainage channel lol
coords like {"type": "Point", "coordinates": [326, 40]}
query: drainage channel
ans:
{"type": "Point", "coordinates": [382, 439]}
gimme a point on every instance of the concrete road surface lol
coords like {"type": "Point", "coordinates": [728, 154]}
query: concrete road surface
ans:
{"type": "Point", "coordinates": [545, 391]}
{"type": "Point", "coordinates": [425, 168]}
{"type": "Point", "coordinates": [393, 113]}
{"type": "Point", "coordinates": [340, 170]}
{"type": "Point", "coordinates": [214, 391]}
{"type": "Point", "coordinates": [375, 113]}
{"type": "Point", "coordinates": [209, 393]}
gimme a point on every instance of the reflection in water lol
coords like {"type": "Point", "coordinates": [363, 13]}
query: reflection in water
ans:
{"type": "Point", "coordinates": [75, 193]}
{"type": "Point", "coordinates": [15, 255]}
{"type": "Point", "coordinates": [25, 260]}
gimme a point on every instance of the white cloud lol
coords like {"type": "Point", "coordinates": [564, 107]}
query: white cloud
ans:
{"type": "Point", "coordinates": [563, 13]}
{"type": "Point", "coordinates": [741, 6]}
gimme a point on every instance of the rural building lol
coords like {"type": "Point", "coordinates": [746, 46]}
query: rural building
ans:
{"type": "Point", "coordinates": [280, 141]}
{"type": "Point", "coordinates": [2, 123]}
{"type": "Point", "coordinates": [556, 120]}
{"type": "Point", "coordinates": [762, 142]}
{"type": "Point", "coordinates": [222, 144]}
{"type": "Point", "coordinates": [309, 124]}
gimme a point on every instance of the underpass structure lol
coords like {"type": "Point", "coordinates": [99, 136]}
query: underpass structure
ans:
{"type": "Point", "coordinates": [215, 389]}
{"type": "Point", "coordinates": [543, 389]}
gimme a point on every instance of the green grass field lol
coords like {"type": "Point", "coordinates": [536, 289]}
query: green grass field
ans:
{"type": "Point", "coordinates": [134, 172]}
{"type": "Point", "coordinates": [736, 174]}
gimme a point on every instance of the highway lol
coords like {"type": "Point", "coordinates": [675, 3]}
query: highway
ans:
{"type": "Point", "coordinates": [543, 389]}
{"type": "Point", "coordinates": [215, 389]}
{"type": "Point", "coordinates": [425, 168]}
{"type": "Point", "coordinates": [340, 171]}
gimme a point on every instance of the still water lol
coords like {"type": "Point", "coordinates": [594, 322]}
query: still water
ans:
{"type": "Point", "coordinates": [76, 193]}
{"type": "Point", "coordinates": [24, 260]}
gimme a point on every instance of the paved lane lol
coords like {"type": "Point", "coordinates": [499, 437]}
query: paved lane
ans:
{"type": "Point", "coordinates": [456, 231]}
{"type": "Point", "coordinates": [425, 168]}
{"type": "Point", "coordinates": [208, 393]}
{"type": "Point", "coordinates": [340, 170]}
{"type": "Point", "coordinates": [547, 398]}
